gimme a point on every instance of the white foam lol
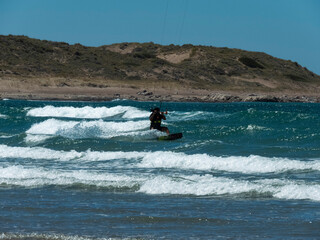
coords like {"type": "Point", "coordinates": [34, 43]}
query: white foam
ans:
{"type": "Point", "coordinates": [2, 116]}
{"type": "Point", "coordinates": [132, 113]}
{"type": "Point", "coordinates": [48, 154]}
{"type": "Point", "coordinates": [30, 138]}
{"type": "Point", "coordinates": [162, 159]}
{"type": "Point", "coordinates": [209, 185]}
{"type": "Point", "coordinates": [186, 116]}
{"type": "Point", "coordinates": [87, 129]}
{"type": "Point", "coordinates": [196, 185]}
{"type": "Point", "coordinates": [37, 153]}
{"type": "Point", "coordinates": [35, 177]}
{"type": "Point", "coordinates": [289, 189]}
{"type": "Point", "coordinates": [150, 184]}
{"type": "Point", "coordinates": [256, 128]}
{"type": "Point", "coordinates": [87, 112]}
{"type": "Point", "coordinates": [190, 115]}
{"type": "Point", "coordinates": [250, 164]}
{"type": "Point", "coordinates": [6, 136]}
{"type": "Point", "coordinates": [298, 191]}
{"type": "Point", "coordinates": [46, 236]}
{"type": "Point", "coordinates": [51, 127]}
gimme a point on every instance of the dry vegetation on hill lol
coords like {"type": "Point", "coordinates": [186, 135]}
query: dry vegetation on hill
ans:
{"type": "Point", "coordinates": [149, 66]}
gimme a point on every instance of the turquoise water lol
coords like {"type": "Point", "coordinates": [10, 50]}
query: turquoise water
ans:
{"type": "Point", "coordinates": [78, 170]}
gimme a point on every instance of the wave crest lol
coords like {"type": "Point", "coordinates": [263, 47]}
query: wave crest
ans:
{"type": "Point", "coordinates": [87, 112]}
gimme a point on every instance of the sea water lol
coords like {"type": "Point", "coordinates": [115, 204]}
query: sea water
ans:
{"type": "Point", "coordinates": [94, 170]}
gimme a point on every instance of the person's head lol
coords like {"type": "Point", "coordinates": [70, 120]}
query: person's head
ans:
{"type": "Point", "coordinates": [156, 109]}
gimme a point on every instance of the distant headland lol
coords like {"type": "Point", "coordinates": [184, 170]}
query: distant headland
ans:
{"type": "Point", "coordinates": [46, 70]}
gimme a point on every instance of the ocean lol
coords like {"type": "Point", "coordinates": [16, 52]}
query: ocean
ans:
{"type": "Point", "coordinates": [94, 170]}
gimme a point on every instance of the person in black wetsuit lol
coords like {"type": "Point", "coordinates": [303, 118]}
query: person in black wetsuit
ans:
{"type": "Point", "coordinates": [155, 118]}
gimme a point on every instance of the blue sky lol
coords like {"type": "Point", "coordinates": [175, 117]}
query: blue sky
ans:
{"type": "Point", "coordinates": [287, 29]}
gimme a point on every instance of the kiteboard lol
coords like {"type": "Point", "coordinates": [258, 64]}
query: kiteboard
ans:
{"type": "Point", "coordinates": [172, 136]}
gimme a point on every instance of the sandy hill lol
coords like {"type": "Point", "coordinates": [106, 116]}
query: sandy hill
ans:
{"type": "Point", "coordinates": [149, 66]}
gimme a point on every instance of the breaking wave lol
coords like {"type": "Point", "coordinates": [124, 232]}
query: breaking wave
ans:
{"type": "Point", "coordinates": [87, 112]}
{"type": "Point", "coordinates": [250, 164]}
{"type": "Point", "coordinates": [209, 185]}
{"type": "Point", "coordinates": [87, 129]}
{"type": "Point", "coordinates": [198, 185]}
{"type": "Point", "coordinates": [133, 178]}
{"type": "Point", "coordinates": [167, 159]}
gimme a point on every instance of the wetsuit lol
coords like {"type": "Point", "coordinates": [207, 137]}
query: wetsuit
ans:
{"type": "Point", "coordinates": [155, 119]}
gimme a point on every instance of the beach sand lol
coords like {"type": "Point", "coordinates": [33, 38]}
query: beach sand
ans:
{"type": "Point", "coordinates": [59, 89]}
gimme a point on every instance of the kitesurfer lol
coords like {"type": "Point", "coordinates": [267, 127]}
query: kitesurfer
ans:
{"type": "Point", "coordinates": [155, 118]}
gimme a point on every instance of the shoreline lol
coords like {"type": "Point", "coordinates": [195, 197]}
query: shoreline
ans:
{"type": "Point", "coordinates": [185, 95]}
{"type": "Point", "coordinates": [59, 90]}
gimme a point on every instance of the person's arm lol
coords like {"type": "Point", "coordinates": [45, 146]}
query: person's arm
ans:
{"type": "Point", "coordinates": [163, 115]}
{"type": "Point", "coordinates": [166, 112]}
